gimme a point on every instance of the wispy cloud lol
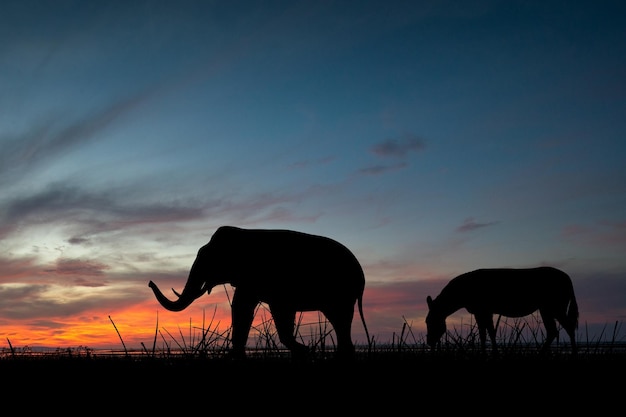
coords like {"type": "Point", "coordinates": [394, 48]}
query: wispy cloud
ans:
{"type": "Point", "coordinates": [470, 225]}
{"type": "Point", "coordinates": [604, 234]}
{"type": "Point", "coordinates": [15, 268]}
{"type": "Point", "coordinates": [79, 267]}
{"type": "Point", "coordinates": [312, 162]}
{"type": "Point", "coordinates": [398, 147]}
{"type": "Point", "coordinates": [94, 211]}
{"type": "Point", "coordinates": [393, 148]}
{"type": "Point", "coordinates": [52, 301]}
{"type": "Point", "coordinates": [59, 201]}
{"type": "Point", "coordinates": [49, 138]}
{"type": "Point", "coordinates": [85, 213]}
{"type": "Point", "coordinates": [382, 169]}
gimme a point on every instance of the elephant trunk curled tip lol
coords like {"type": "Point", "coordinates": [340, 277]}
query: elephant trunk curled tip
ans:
{"type": "Point", "coordinates": [183, 301]}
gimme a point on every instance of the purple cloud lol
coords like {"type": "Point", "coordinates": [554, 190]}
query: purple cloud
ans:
{"type": "Point", "coordinates": [80, 267]}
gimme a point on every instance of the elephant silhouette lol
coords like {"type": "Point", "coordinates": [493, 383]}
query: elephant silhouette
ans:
{"type": "Point", "coordinates": [289, 271]}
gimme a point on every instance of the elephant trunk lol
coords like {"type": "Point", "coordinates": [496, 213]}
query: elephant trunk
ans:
{"type": "Point", "coordinates": [184, 300]}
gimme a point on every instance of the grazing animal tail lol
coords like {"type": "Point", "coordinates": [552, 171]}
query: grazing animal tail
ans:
{"type": "Point", "coordinates": [572, 310]}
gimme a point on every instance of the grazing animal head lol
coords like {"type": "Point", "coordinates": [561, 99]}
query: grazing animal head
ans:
{"type": "Point", "coordinates": [435, 324]}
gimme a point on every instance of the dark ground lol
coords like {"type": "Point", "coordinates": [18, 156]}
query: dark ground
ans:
{"type": "Point", "coordinates": [379, 383]}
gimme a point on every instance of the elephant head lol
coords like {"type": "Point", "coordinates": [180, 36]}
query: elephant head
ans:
{"type": "Point", "coordinates": [289, 271]}
{"type": "Point", "coordinates": [195, 287]}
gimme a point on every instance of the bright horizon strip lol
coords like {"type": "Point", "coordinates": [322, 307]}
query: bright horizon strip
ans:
{"type": "Point", "coordinates": [137, 326]}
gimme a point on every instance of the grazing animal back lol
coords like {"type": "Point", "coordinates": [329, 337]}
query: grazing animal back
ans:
{"type": "Point", "coordinates": [509, 292]}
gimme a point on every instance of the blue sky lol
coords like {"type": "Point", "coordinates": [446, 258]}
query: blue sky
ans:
{"type": "Point", "coordinates": [431, 138]}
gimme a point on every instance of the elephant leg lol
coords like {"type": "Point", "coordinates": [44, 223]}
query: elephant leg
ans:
{"type": "Point", "coordinates": [341, 320]}
{"type": "Point", "coordinates": [285, 322]}
{"type": "Point", "coordinates": [243, 307]}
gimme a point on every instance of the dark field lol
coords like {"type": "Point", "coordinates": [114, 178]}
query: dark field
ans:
{"type": "Point", "coordinates": [416, 381]}
{"type": "Point", "coordinates": [195, 375]}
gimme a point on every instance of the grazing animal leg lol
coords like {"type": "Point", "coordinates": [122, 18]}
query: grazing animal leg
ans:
{"type": "Point", "coordinates": [552, 332]}
{"type": "Point", "coordinates": [485, 325]}
{"type": "Point", "coordinates": [570, 324]}
{"type": "Point", "coordinates": [570, 328]}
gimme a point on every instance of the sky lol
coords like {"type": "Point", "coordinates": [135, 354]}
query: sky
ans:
{"type": "Point", "coordinates": [431, 138]}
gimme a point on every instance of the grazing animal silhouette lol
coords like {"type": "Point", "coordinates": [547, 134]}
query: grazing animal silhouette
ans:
{"type": "Point", "coordinates": [508, 292]}
{"type": "Point", "coordinates": [289, 271]}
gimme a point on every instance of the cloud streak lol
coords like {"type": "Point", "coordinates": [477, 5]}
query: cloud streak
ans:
{"type": "Point", "coordinates": [398, 147]}
{"type": "Point", "coordinates": [470, 224]}
{"type": "Point", "coordinates": [45, 141]}
{"type": "Point", "coordinates": [382, 169]}
{"type": "Point", "coordinates": [96, 211]}
{"type": "Point", "coordinates": [78, 267]}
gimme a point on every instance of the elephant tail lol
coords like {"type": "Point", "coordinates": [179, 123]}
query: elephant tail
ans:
{"type": "Point", "coordinates": [367, 334]}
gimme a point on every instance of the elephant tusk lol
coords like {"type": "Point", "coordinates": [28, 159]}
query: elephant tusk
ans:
{"type": "Point", "coordinates": [176, 292]}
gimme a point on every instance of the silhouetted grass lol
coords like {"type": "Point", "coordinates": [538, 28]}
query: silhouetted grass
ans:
{"type": "Point", "coordinates": [519, 337]}
{"type": "Point", "coordinates": [191, 364]}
